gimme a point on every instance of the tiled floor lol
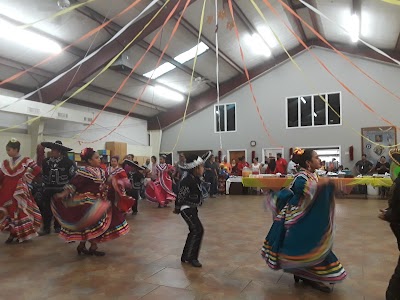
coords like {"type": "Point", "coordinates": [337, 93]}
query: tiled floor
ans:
{"type": "Point", "coordinates": [145, 264]}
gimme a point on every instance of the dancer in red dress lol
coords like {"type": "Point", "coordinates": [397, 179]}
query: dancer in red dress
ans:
{"type": "Point", "coordinates": [160, 191]}
{"type": "Point", "coordinates": [83, 210]}
{"type": "Point", "coordinates": [118, 181]}
{"type": "Point", "coordinates": [19, 213]}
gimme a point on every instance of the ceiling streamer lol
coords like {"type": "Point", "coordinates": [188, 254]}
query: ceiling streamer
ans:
{"type": "Point", "coordinates": [58, 14]}
{"type": "Point", "coordinates": [134, 68]}
{"type": "Point", "coordinates": [314, 9]}
{"type": "Point", "coordinates": [299, 68]}
{"type": "Point", "coordinates": [345, 57]}
{"type": "Point", "coordinates": [192, 77]}
{"type": "Point", "coordinates": [49, 58]}
{"type": "Point", "coordinates": [273, 142]}
{"type": "Point", "coordinates": [101, 72]}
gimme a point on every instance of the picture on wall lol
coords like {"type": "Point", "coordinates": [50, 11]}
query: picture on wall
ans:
{"type": "Point", "coordinates": [385, 136]}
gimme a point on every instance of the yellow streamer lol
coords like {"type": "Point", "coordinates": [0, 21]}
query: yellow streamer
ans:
{"type": "Point", "coordinates": [101, 72]}
{"type": "Point", "coordinates": [60, 13]}
{"type": "Point", "coordinates": [310, 82]}
{"type": "Point", "coordinates": [394, 2]}
{"type": "Point", "coordinates": [191, 78]}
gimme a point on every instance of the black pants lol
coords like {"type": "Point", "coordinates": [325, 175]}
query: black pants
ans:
{"type": "Point", "coordinates": [195, 236]}
{"type": "Point", "coordinates": [213, 184]}
{"type": "Point", "coordinates": [45, 209]}
{"type": "Point", "coordinates": [393, 290]}
{"type": "Point", "coordinates": [135, 194]}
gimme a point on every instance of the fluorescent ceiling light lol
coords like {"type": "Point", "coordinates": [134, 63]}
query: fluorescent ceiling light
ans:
{"type": "Point", "coordinates": [191, 53]}
{"type": "Point", "coordinates": [304, 100]}
{"type": "Point", "coordinates": [259, 46]}
{"type": "Point", "coordinates": [167, 93]}
{"type": "Point", "coordinates": [354, 28]}
{"type": "Point", "coordinates": [161, 70]}
{"type": "Point", "coordinates": [27, 38]}
{"type": "Point", "coordinates": [267, 36]}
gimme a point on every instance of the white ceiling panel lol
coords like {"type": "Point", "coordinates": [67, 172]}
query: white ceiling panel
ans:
{"type": "Point", "coordinates": [180, 81]}
{"type": "Point", "coordinates": [181, 41]}
{"type": "Point", "coordinates": [123, 105]}
{"type": "Point", "coordinates": [69, 27]}
{"type": "Point", "coordinates": [134, 54]}
{"type": "Point", "coordinates": [27, 80]}
{"type": "Point", "coordinates": [340, 12]}
{"type": "Point", "coordinates": [206, 66]}
{"type": "Point", "coordinates": [105, 8]}
{"type": "Point", "coordinates": [382, 34]}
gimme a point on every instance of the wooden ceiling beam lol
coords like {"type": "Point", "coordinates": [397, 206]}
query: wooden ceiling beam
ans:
{"type": "Point", "coordinates": [296, 24]}
{"type": "Point", "coordinates": [209, 97]}
{"type": "Point", "coordinates": [78, 74]}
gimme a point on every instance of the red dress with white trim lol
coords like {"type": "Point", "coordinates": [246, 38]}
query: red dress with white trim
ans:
{"type": "Point", "coordinates": [118, 181]}
{"type": "Point", "coordinates": [87, 214]}
{"type": "Point", "coordinates": [160, 191]}
{"type": "Point", "coordinates": [19, 213]}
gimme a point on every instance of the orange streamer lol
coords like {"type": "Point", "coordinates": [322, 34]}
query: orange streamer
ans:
{"type": "Point", "coordinates": [82, 38]}
{"type": "Point", "coordinates": [248, 77]}
{"type": "Point", "coordinates": [325, 67]}
{"type": "Point", "coordinates": [288, 8]}
{"type": "Point", "coordinates": [133, 70]}
{"type": "Point", "coordinates": [148, 81]}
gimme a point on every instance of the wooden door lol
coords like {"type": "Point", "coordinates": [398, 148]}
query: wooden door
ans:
{"type": "Point", "coordinates": [235, 155]}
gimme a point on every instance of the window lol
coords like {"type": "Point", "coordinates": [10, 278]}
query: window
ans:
{"type": "Point", "coordinates": [225, 117]}
{"type": "Point", "coordinates": [309, 111]}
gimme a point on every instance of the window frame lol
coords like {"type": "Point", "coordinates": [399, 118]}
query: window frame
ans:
{"type": "Point", "coordinates": [225, 117]}
{"type": "Point", "coordinates": [326, 94]}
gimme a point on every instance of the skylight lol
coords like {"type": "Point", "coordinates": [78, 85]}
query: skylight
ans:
{"type": "Point", "coordinates": [27, 38]}
{"type": "Point", "coordinates": [181, 58]}
{"type": "Point", "coordinates": [259, 46]}
{"type": "Point", "coordinates": [267, 36]}
{"type": "Point", "coordinates": [161, 70]}
{"type": "Point", "coordinates": [191, 53]}
{"type": "Point", "coordinates": [170, 94]}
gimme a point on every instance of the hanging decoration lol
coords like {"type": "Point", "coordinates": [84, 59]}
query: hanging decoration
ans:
{"type": "Point", "coordinates": [84, 37]}
{"type": "Point", "coordinates": [135, 67]}
{"type": "Point", "coordinates": [192, 76]}
{"type": "Point", "coordinates": [273, 142]}
{"type": "Point", "coordinates": [230, 25]}
{"type": "Point", "coordinates": [297, 66]}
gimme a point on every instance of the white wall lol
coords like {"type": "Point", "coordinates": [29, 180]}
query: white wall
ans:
{"type": "Point", "coordinates": [272, 89]}
{"type": "Point", "coordinates": [133, 131]}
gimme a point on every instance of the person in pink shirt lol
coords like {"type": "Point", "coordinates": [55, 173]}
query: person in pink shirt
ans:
{"type": "Point", "coordinates": [281, 164]}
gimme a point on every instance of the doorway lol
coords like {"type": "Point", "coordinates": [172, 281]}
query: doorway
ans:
{"type": "Point", "coordinates": [271, 152]}
{"type": "Point", "coordinates": [235, 154]}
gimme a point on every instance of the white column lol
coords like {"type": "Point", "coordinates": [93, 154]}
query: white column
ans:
{"type": "Point", "coordinates": [35, 130]}
{"type": "Point", "coordinates": [155, 142]}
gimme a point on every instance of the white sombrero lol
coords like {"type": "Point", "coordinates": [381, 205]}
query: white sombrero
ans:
{"type": "Point", "coordinates": [197, 162]}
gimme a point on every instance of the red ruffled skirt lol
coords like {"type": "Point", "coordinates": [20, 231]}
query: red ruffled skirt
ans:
{"type": "Point", "coordinates": [20, 215]}
{"type": "Point", "coordinates": [156, 193]}
{"type": "Point", "coordinates": [88, 217]}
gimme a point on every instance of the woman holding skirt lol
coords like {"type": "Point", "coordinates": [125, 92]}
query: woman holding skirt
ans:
{"type": "Point", "coordinates": [83, 210]}
{"type": "Point", "coordinates": [301, 237]}
{"type": "Point", "coordinates": [19, 214]}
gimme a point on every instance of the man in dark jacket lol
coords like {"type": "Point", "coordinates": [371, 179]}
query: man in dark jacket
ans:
{"type": "Point", "coordinates": [57, 171]}
{"type": "Point", "coordinates": [392, 215]}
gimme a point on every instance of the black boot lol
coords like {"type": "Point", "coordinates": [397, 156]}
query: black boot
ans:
{"type": "Point", "coordinates": [44, 232]}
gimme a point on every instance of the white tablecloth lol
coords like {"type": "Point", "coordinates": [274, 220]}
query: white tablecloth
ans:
{"type": "Point", "coordinates": [230, 180]}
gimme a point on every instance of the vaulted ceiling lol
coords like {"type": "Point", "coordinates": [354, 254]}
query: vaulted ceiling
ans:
{"type": "Point", "coordinates": [379, 26]}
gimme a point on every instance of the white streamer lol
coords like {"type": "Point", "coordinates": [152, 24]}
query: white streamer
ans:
{"type": "Point", "coordinates": [345, 30]}
{"type": "Point", "coordinates": [123, 29]}
{"type": "Point", "coordinates": [217, 70]}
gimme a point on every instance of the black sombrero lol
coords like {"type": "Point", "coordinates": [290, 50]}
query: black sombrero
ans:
{"type": "Point", "coordinates": [197, 162]}
{"type": "Point", "coordinates": [394, 155]}
{"type": "Point", "coordinates": [133, 164]}
{"type": "Point", "coordinates": [57, 145]}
